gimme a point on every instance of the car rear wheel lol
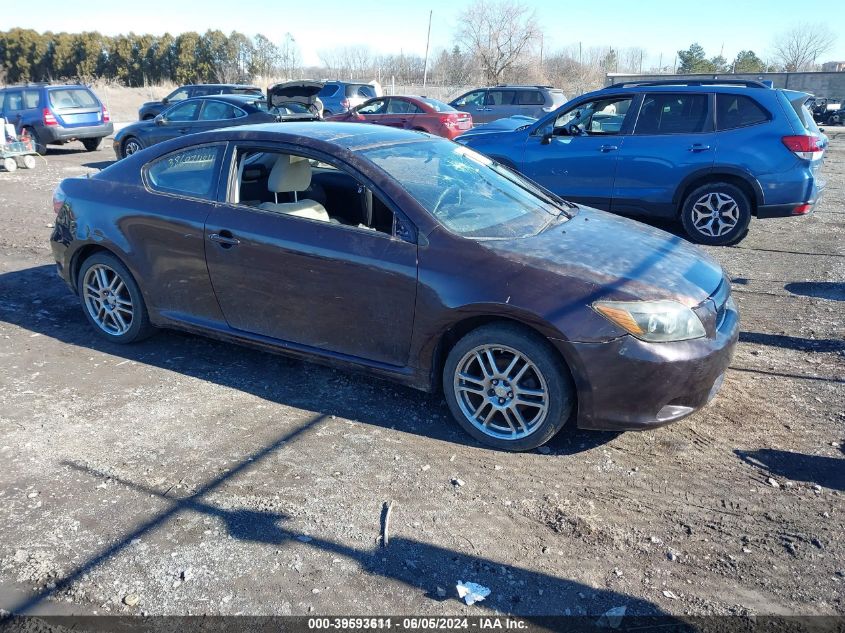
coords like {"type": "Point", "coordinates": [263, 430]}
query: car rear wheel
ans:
{"type": "Point", "coordinates": [507, 388]}
{"type": "Point", "coordinates": [130, 146]}
{"type": "Point", "coordinates": [716, 214]}
{"type": "Point", "coordinates": [111, 300]}
{"type": "Point", "coordinates": [40, 148]}
{"type": "Point", "coordinates": [92, 144]}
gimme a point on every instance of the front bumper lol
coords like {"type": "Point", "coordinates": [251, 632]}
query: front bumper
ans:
{"type": "Point", "coordinates": [58, 134]}
{"type": "Point", "coordinates": [628, 384]}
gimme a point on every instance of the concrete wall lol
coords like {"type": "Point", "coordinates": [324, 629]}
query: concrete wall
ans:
{"type": "Point", "coordinates": [829, 85]}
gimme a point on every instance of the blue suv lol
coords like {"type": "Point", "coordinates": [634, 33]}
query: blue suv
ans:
{"type": "Point", "coordinates": [711, 154]}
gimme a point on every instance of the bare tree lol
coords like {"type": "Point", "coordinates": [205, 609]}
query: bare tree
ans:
{"type": "Point", "coordinates": [498, 33]}
{"type": "Point", "coordinates": [798, 48]}
{"type": "Point", "coordinates": [290, 61]}
{"type": "Point", "coordinates": [348, 62]}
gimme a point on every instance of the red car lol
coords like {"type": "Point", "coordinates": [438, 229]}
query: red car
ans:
{"type": "Point", "coordinates": [410, 113]}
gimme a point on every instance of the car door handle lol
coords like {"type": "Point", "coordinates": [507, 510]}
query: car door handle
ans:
{"type": "Point", "coordinates": [698, 147]}
{"type": "Point", "coordinates": [225, 239]}
{"type": "Point", "coordinates": [608, 148]}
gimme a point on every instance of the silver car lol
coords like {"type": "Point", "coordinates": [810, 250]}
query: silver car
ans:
{"type": "Point", "coordinates": [499, 102]}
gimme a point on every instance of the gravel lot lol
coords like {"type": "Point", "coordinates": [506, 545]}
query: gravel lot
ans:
{"type": "Point", "coordinates": [183, 475]}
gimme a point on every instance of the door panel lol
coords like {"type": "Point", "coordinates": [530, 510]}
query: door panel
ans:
{"type": "Point", "coordinates": [324, 285]}
{"type": "Point", "coordinates": [673, 140]}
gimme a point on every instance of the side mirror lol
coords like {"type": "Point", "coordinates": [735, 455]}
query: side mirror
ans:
{"type": "Point", "coordinates": [165, 101]}
{"type": "Point", "coordinates": [160, 120]}
{"type": "Point", "coordinates": [547, 133]}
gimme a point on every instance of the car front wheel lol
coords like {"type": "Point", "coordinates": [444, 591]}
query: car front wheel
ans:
{"type": "Point", "coordinates": [111, 299]}
{"type": "Point", "coordinates": [507, 387]}
{"type": "Point", "coordinates": [716, 214]}
{"type": "Point", "coordinates": [130, 146]}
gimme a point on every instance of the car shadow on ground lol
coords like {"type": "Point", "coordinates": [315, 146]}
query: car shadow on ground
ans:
{"type": "Point", "coordinates": [37, 300]}
{"type": "Point", "coordinates": [830, 290]}
{"type": "Point", "coordinates": [828, 472]}
{"type": "Point", "coordinates": [424, 566]}
{"type": "Point", "coordinates": [797, 343]}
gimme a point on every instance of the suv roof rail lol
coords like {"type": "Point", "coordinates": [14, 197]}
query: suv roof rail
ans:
{"type": "Point", "coordinates": [748, 83]}
{"type": "Point", "coordinates": [522, 86]}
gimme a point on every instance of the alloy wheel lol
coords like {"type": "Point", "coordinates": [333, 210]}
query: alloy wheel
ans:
{"type": "Point", "coordinates": [130, 147]}
{"type": "Point", "coordinates": [107, 300]}
{"type": "Point", "coordinates": [715, 214]}
{"type": "Point", "coordinates": [501, 392]}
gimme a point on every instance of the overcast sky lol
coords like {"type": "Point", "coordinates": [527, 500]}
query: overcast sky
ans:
{"type": "Point", "coordinates": [660, 27]}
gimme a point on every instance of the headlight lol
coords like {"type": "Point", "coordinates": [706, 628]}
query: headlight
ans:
{"type": "Point", "coordinates": [656, 321]}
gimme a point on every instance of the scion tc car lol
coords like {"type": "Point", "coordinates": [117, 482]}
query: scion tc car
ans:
{"type": "Point", "coordinates": [710, 154]}
{"type": "Point", "coordinates": [411, 113]}
{"type": "Point", "coordinates": [410, 257]}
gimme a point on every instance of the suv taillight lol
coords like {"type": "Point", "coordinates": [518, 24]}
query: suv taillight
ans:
{"type": "Point", "coordinates": [49, 118]}
{"type": "Point", "coordinates": [106, 115]}
{"type": "Point", "coordinates": [804, 146]}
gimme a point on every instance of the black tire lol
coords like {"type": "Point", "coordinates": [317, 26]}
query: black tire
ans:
{"type": "Point", "coordinates": [92, 144]}
{"type": "Point", "coordinates": [40, 147]}
{"type": "Point", "coordinates": [731, 214]}
{"type": "Point", "coordinates": [507, 338]}
{"type": "Point", "coordinates": [127, 144]}
{"type": "Point", "coordinates": [138, 327]}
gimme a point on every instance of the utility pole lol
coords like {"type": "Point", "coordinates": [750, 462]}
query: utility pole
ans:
{"type": "Point", "coordinates": [427, 42]}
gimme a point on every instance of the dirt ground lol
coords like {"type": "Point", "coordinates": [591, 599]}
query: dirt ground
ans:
{"type": "Point", "coordinates": [186, 476]}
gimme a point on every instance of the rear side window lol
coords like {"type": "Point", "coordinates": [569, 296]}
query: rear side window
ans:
{"type": "Point", "coordinates": [674, 114]}
{"type": "Point", "coordinates": [217, 110]}
{"type": "Point", "coordinates": [31, 98]}
{"type": "Point", "coordinates": [500, 97]}
{"type": "Point", "coordinates": [329, 90]}
{"type": "Point", "coordinates": [190, 172]}
{"type": "Point", "coordinates": [530, 97]}
{"type": "Point", "coordinates": [400, 106]}
{"type": "Point", "coordinates": [733, 111]}
{"type": "Point", "coordinates": [72, 98]}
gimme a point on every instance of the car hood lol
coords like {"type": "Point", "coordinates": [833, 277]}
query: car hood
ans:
{"type": "Point", "coordinates": [134, 127]}
{"type": "Point", "coordinates": [500, 127]}
{"type": "Point", "coordinates": [619, 259]}
{"type": "Point", "coordinates": [152, 103]}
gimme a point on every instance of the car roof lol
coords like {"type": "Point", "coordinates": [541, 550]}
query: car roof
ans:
{"type": "Point", "coordinates": [342, 135]}
{"type": "Point", "coordinates": [222, 86]}
{"type": "Point", "coordinates": [46, 86]}
{"type": "Point", "coordinates": [233, 99]}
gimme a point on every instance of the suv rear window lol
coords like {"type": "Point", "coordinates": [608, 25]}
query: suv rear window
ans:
{"type": "Point", "coordinates": [733, 111]}
{"type": "Point", "coordinates": [360, 90]}
{"type": "Point", "coordinates": [530, 97]}
{"type": "Point", "coordinates": [329, 90]}
{"type": "Point", "coordinates": [72, 98]}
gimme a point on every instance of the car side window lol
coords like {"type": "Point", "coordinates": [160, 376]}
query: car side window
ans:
{"type": "Point", "coordinates": [14, 101]}
{"type": "Point", "coordinates": [475, 98]}
{"type": "Point", "coordinates": [217, 111]}
{"type": "Point", "coordinates": [292, 185]}
{"type": "Point", "coordinates": [530, 97]}
{"type": "Point", "coordinates": [500, 97]}
{"type": "Point", "coordinates": [373, 107]}
{"type": "Point", "coordinates": [31, 98]}
{"type": "Point", "coordinates": [184, 112]}
{"type": "Point", "coordinates": [735, 111]}
{"type": "Point", "coordinates": [401, 106]}
{"type": "Point", "coordinates": [191, 172]}
{"type": "Point", "coordinates": [674, 114]}
{"type": "Point", "coordinates": [599, 117]}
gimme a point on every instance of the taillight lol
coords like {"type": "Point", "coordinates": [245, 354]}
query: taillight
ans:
{"type": "Point", "coordinates": [49, 118]}
{"type": "Point", "coordinates": [448, 120]}
{"type": "Point", "coordinates": [805, 146]}
{"type": "Point", "coordinates": [802, 209]}
{"type": "Point", "coordinates": [59, 198]}
{"type": "Point", "coordinates": [106, 115]}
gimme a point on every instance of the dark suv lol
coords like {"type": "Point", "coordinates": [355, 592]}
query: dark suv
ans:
{"type": "Point", "coordinates": [341, 96]}
{"type": "Point", "coordinates": [152, 109]}
{"type": "Point", "coordinates": [709, 153]}
{"type": "Point", "coordinates": [54, 115]}
{"type": "Point", "coordinates": [499, 102]}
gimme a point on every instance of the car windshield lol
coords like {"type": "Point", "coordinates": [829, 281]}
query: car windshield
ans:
{"type": "Point", "coordinates": [468, 193]}
{"type": "Point", "coordinates": [438, 106]}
